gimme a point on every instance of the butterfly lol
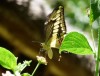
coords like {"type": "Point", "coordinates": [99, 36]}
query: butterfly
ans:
{"type": "Point", "coordinates": [55, 30]}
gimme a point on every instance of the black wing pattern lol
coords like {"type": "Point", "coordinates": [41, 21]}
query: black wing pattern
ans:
{"type": "Point", "coordinates": [55, 29]}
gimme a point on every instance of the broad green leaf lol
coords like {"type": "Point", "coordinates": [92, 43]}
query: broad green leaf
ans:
{"type": "Point", "coordinates": [7, 59]}
{"type": "Point", "coordinates": [76, 43]}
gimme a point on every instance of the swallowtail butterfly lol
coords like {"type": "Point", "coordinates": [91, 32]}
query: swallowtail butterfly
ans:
{"type": "Point", "coordinates": [55, 29]}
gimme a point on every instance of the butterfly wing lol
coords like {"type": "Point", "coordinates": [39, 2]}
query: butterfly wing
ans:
{"type": "Point", "coordinates": [55, 29]}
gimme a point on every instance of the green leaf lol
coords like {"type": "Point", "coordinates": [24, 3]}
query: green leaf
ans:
{"type": "Point", "coordinates": [7, 59]}
{"type": "Point", "coordinates": [94, 10]}
{"type": "Point", "coordinates": [76, 43]}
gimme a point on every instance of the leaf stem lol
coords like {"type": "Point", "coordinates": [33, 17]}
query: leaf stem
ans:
{"type": "Point", "coordinates": [35, 69]}
{"type": "Point", "coordinates": [98, 52]}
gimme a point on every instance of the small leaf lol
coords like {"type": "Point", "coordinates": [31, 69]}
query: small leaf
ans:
{"type": "Point", "coordinates": [94, 10]}
{"type": "Point", "coordinates": [76, 43]}
{"type": "Point", "coordinates": [7, 59]}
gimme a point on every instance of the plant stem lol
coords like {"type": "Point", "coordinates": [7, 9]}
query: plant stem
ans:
{"type": "Point", "coordinates": [35, 69]}
{"type": "Point", "coordinates": [98, 53]}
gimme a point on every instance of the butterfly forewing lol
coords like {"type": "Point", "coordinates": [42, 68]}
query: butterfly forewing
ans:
{"type": "Point", "coordinates": [55, 29]}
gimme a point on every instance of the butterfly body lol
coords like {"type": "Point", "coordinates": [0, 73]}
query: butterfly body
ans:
{"type": "Point", "coordinates": [55, 29]}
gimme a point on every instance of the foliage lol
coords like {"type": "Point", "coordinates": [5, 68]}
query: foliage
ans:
{"type": "Point", "coordinates": [76, 43]}
{"type": "Point", "coordinates": [7, 59]}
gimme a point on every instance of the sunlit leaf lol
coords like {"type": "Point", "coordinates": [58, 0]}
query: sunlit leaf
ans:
{"type": "Point", "coordinates": [7, 59]}
{"type": "Point", "coordinates": [76, 43]}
